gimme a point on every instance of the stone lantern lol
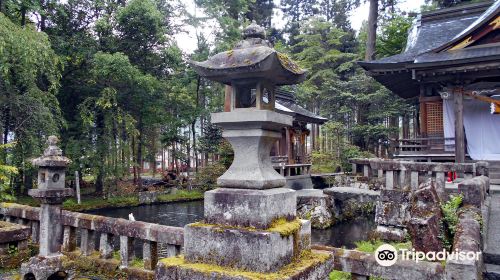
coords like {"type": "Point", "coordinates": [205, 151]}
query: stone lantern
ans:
{"type": "Point", "coordinates": [250, 221]}
{"type": "Point", "coordinates": [51, 193]}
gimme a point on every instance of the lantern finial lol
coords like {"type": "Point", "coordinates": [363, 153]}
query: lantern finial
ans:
{"type": "Point", "coordinates": [254, 31]}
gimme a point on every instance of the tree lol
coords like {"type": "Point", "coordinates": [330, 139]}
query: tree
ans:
{"type": "Point", "coordinates": [29, 80]}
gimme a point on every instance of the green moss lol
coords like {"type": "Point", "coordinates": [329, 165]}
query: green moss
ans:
{"type": "Point", "coordinates": [306, 259]}
{"type": "Point", "coordinates": [340, 275]}
{"type": "Point", "coordinates": [284, 227]}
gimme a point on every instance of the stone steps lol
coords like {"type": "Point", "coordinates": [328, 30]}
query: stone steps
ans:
{"type": "Point", "coordinates": [492, 272]}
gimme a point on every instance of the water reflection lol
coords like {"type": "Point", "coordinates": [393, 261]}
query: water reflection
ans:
{"type": "Point", "coordinates": [182, 213]}
{"type": "Point", "coordinates": [344, 234]}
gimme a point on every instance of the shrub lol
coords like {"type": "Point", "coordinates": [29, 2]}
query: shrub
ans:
{"type": "Point", "coordinates": [207, 177]}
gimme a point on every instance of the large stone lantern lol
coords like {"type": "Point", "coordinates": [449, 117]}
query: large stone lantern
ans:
{"type": "Point", "coordinates": [250, 221]}
{"type": "Point", "coordinates": [51, 193]}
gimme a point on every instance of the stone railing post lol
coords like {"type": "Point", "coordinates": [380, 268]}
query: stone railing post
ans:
{"type": "Point", "coordinates": [390, 179]}
{"type": "Point", "coordinates": [69, 239]}
{"type": "Point", "coordinates": [150, 254]}
{"type": "Point", "coordinates": [414, 180]}
{"type": "Point", "coordinates": [126, 250]}
{"type": "Point", "coordinates": [35, 231]}
{"type": "Point", "coordinates": [87, 244]}
{"type": "Point", "coordinates": [440, 185]}
{"type": "Point", "coordinates": [367, 171]}
{"type": "Point", "coordinates": [106, 245]}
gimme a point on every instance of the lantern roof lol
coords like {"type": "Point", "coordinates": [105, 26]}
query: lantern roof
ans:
{"type": "Point", "coordinates": [52, 156]}
{"type": "Point", "coordinates": [252, 57]}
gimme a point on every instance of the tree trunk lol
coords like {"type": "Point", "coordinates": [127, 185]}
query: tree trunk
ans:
{"type": "Point", "coordinates": [372, 30]}
{"type": "Point", "coordinates": [140, 143]}
{"type": "Point", "coordinates": [195, 151]}
{"type": "Point", "coordinates": [134, 159]}
{"type": "Point", "coordinates": [101, 153]}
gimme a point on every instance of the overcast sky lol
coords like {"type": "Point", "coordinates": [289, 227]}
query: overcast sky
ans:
{"type": "Point", "coordinates": [187, 39]}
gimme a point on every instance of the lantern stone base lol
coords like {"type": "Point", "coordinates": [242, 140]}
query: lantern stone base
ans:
{"type": "Point", "coordinates": [249, 208]}
{"type": "Point", "coordinates": [311, 265]}
{"type": "Point", "coordinates": [51, 196]}
{"type": "Point", "coordinates": [247, 248]}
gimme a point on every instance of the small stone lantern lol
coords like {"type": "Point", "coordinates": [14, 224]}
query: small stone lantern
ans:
{"type": "Point", "coordinates": [51, 193]}
{"type": "Point", "coordinates": [250, 221]}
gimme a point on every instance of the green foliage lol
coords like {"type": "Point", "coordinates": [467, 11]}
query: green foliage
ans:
{"type": "Point", "coordinates": [450, 219]}
{"type": "Point", "coordinates": [207, 176]}
{"type": "Point", "coordinates": [226, 154]}
{"type": "Point", "coordinates": [393, 35]}
{"type": "Point", "coordinates": [6, 174]}
{"type": "Point", "coordinates": [324, 162]}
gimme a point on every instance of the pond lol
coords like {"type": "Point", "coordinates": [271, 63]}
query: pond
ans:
{"type": "Point", "coordinates": [342, 234]}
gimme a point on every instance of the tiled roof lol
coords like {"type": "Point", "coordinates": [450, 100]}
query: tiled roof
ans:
{"type": "Point", "coordinates": [287, 104]}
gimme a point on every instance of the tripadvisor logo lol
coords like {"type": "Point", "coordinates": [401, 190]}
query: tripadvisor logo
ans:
{"type": "Point", "coordinates": [386, 255]}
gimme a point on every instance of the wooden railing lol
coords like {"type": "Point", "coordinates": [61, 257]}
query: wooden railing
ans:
{"type": "Point", "coordinates": [280, 164]}
{"type": "Point", "coordinates": [425, 145]}
{"type": "Point", "coordinates": [92, 228]}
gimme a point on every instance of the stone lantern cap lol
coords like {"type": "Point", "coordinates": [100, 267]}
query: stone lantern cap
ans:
{"type": "Point", "coordinates": [253, 57]}
{"type": "Point", "coordinates": [52, 156]}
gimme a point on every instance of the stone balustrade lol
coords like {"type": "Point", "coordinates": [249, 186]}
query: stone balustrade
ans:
{"type": "Point", "coordinates": [363, 266]}
{"type": "Point", "coordinates": [400, 174]}
{"type": "Point", "coordinates": [92, 228]}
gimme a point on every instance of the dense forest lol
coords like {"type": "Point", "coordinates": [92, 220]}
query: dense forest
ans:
{"type": "Point", "coordinates": [110, 79]}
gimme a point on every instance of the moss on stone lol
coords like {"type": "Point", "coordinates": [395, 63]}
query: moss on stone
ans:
{"type": "Point", "coordinates": [307, 259]}
{"type": "Point", "coordinates": [285, 228]}
{"type": "Point", "coordinates": [282, 226]}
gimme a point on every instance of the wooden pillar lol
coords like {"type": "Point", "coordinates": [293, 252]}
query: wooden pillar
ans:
{"type": "Point", "coordinates": [458, 99]}
{"type": "Point", "coordinates": [288, 145]}
{"type": "Point", "coordinates": [227, 98]}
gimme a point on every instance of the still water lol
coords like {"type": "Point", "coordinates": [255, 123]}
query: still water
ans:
{"type": "Point", "coordinates": [182, 213]}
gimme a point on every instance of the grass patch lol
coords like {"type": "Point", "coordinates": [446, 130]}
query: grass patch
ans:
{"type": "Point", "coordinates": [181, 195]}
{"type": "Point", "coordinates": [127, 201]}
{"type": "Point", "coordinates": [137, 262]}
{"type": "Point", "coordinates": [371, 245]}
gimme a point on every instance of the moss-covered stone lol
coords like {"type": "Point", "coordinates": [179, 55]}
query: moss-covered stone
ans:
{"type": "Point", "coordinates": [282, 226]}
{"type": "Point", "coordinates": [307, 260]}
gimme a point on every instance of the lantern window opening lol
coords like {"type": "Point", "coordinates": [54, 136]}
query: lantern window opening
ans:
{"type": "Point", "coordinates": [251, 93]}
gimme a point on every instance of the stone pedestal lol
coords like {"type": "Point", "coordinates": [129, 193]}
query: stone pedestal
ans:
{"type": "Point", "coordinates": [249, 208]}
